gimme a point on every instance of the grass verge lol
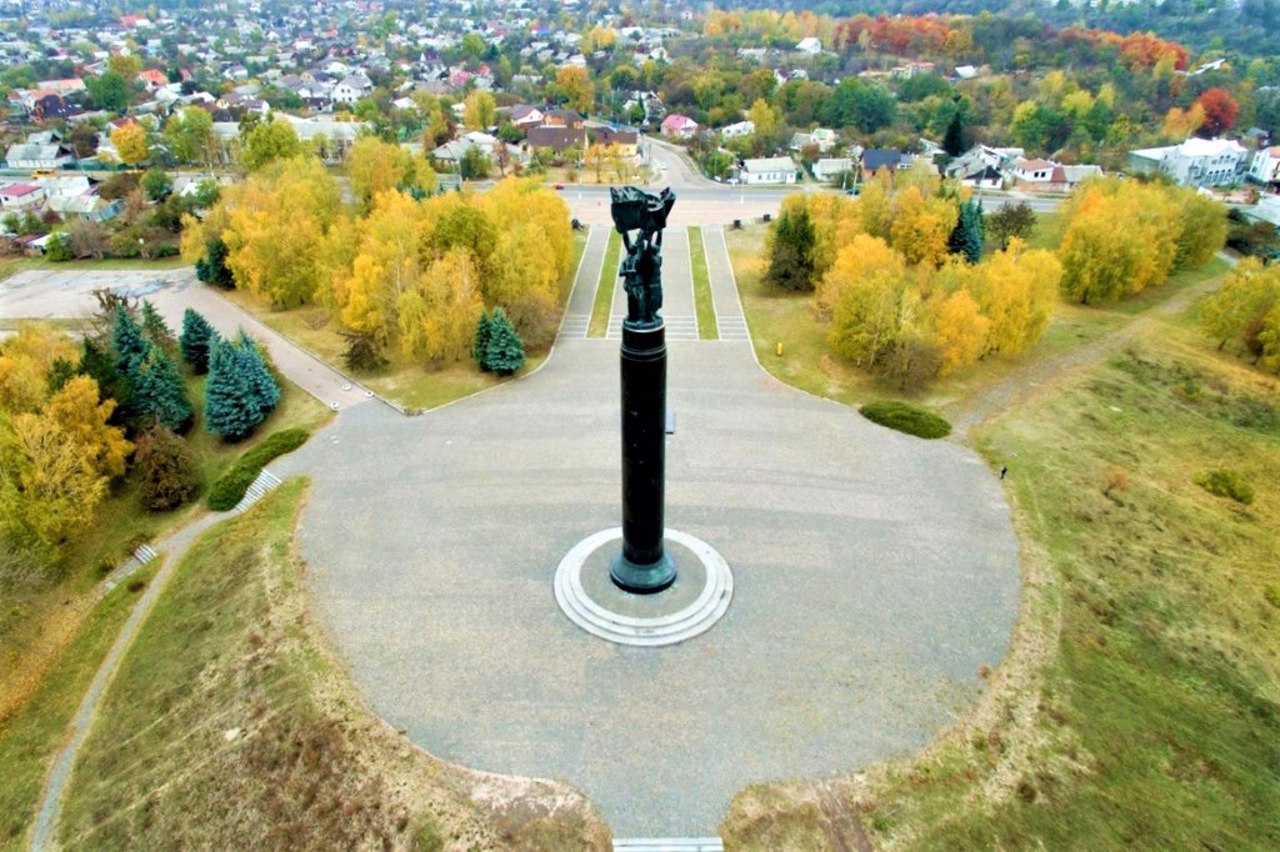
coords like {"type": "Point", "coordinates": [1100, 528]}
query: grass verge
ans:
{"type": "Point", "coordinates": [702, 303]}
{"type": "Point", "coordinates": [228, 725]}
{"type": "Point", "coordinates": [603, 304]}
{"type": "Point", "coordinates": [13, 265]}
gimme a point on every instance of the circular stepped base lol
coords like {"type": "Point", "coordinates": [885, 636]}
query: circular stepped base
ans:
{"type": "Point", "coordinates": [649, 631]}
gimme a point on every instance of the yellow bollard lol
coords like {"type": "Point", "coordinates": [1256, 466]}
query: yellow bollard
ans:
{"type": "Point", "coordinates": [779, 350]}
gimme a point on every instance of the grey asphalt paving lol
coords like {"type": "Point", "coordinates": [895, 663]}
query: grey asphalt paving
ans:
{"type": "Point", "coordinates": [875, 573]}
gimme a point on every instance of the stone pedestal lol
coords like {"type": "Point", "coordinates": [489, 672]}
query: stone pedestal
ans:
{"type": "Point", "coordinates": [643, 566]}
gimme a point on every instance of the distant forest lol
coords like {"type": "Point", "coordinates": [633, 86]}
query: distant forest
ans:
{"type": "Point", "coordinates": [1251, 27]}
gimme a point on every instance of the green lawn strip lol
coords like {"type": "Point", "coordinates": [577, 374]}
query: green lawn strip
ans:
{"type": "Point", "coordinates": [228, 725]}
{"type": "Point", "coordinates": [603, 305]}
{"type": "Point", "coordinates": [703, 304]}
{"type": "Point", "coordinates": [30, 739]}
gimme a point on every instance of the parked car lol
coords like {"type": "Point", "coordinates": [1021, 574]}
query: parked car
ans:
{"type": "Point", "coordinates": [559, 186]}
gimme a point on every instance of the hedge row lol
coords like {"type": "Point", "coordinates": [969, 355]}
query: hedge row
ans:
{"type": "Point", "coordinates": [906, 418]}
{"type": "Point", "coordinates": [230, 488]}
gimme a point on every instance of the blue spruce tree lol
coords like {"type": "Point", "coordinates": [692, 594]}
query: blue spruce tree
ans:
{"type": "Point", "coordinates": [127, 340]}
{"type": "Point", "coordinates": [159, 394]}
{"type": "Point", "coordinates": [480, 346]}
{"type": "Point", "coordinates": [229, 411]}
{"type": "Point", "coordinates": [197, 336]}
{"type": "Point", "coordinates": [266, 392]}
{"type": "Point", "coordinates": [504, 353]}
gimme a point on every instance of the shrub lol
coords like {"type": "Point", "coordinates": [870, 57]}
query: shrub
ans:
{"type": "Point", "coordinates": [166, 469]}
{"type": "Point", "coordinates": [230, 488]}
{"type": "Point", "coordinates": [1226, 483]}
{"type": "Point", "coordinates": [904, 417]}
{"type": "Point", "coordinates": [58, 248]}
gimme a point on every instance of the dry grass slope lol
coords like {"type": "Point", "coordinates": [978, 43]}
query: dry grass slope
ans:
{"type": "Point", "coordinates": [229, 726]}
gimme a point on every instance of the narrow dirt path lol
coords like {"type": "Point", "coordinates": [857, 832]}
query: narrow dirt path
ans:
{"type": "Point", "coordinates": [173, 548]}
{"type": "Point", "coordinates": [1042, 376]}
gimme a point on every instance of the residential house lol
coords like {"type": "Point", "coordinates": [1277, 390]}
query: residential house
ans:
{"type": "Point", "coordinates": [679, 126]}
{"type": "Point", "coordinates": [1267, 210]}
{"type": "Point", "coordinates": [1196, 162]}
{"type": "Point", "coordinates": [91, 207]}
{"type": "Point", "coordinates": [1035, 171]}
{"type": "Point", "coordinates": [810, 45]}
{"type": "Point", "coordinates": [153, 79]}
{"type": "Point", "coordinates": [524, 116]}
{"type": "Point", "coordinates": [832, 168]}
{"type": "Point", "coordinates": [983, 165]}
{"type": "Point", "coordinates": [37, 155]}
{"type": "Point", "coordinates": [558, 139]}
{"type": "Point", "coordinates": [875, 159]}
{"type": "Point", "coordinates": [351, 89]}
{"type": "Point", "coordinates": [738, 129]}
{"type": "Point", "coordinates": [626, 140]}
{"type": "Point", "coordinates": [1265, 166]}
{"type": "Point", "coordinates": [824, 138]}
{"type": "Point", "coordinates": [772, 170]}
{"type": "Point", "coordinates": [563, 118]}
{"type": "Point", "coordinates": [51, 107]}
{"type": "Point", "coordinates": [18, 197]}
{"type": "Point", "coordinates": [61, 87]}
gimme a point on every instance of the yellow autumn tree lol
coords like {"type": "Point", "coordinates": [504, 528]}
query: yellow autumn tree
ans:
{"type": "Point", "coordinates": [375, 166]}
{"type": "Point", "coordinates": [921, 226]}
{"type": "Point", "coordinates": [25, 362]}
{"type": "Point", "coordinates": [576, 88]}
{"type": "Point", "coordinates": [130, 142]}
{"type": "Point", "coordinates": [438, 316]}
{"type": "Point", "coordinates": [479, 110]}
{"type": "Point", "coordinates": [1015, 290]}
{"type": "Point", "coordinates": [862, 294]}
{"type": "Point", "coordinates": [275, 222]}
{"type": "Point", "coordinates": [386, 264]}
{"type": "Point", "coordinates": [959, 331]}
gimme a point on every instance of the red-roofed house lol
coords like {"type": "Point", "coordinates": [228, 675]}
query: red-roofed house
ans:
{"type": "Point", "coordinates": [21, 196]}
{"type": "Point", "coordinates": [1033, 171]}
{"type": "Point", "coordinates": [679, 126]}
{"type": "Point", "coordinates": [153, 79]}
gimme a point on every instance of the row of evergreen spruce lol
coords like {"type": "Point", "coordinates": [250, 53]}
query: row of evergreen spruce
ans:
{"type": "Point", "coordinates": [135, 364]}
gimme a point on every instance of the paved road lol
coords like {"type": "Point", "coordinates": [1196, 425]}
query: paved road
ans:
{"type": "Point", "coordinates": [875, 574]}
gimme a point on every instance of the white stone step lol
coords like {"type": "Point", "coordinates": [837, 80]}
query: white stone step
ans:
{"type": "Point", "coordinates": [265, 482]}
{"type": "Point", "coordinates": [668, 844]}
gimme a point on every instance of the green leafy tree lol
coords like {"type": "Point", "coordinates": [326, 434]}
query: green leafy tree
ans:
{"type": "Point", "coordinates": [265, 143]}
{"type": "Point", "coordinates": [480, 345]}
{"type": "Point", "coordinates": [157, 184]}
{"type": "Point", "coordinates": [791, 263]}
{"type": "Point", "coordinates": [166, 470]}
{"type": "Point", "coordinates": [967, 236]}
{"type": "Point", "coordinates": [1010, 221]}
{"type": "Point", "coordinates": [159, 394]}
{"type": "Point", "coordinates": [109, 91]}
{"type": "Point", "coordinates": [475, 164]}
{"type": "Point", "coordinates": [504, 353]}
{"type": "Point", "coordinates": [197, 337]}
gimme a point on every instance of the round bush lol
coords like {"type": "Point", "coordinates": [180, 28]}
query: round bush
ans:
{"type": "Point", "coordinates": [906, 418]}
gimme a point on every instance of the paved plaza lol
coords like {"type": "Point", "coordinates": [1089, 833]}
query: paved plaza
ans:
{"type": "Point", "coordinates": [874, 573]}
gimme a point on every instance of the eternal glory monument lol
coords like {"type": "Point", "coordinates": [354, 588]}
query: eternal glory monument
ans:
{"type": "Point", "coordinates": [643, 566]}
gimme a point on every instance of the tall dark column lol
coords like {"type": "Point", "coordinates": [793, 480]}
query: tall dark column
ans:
{"type": "Point", "coordinates": [643, 566]}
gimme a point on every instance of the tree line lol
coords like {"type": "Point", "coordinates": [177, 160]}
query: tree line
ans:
{"type": "Point", "coordinates": [907, 286]}
{"type": "Point", "coordinates": [400, 267]}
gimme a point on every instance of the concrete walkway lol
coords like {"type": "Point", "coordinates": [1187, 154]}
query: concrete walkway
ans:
{"type": "Point", "coordinates": [69, 295]}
